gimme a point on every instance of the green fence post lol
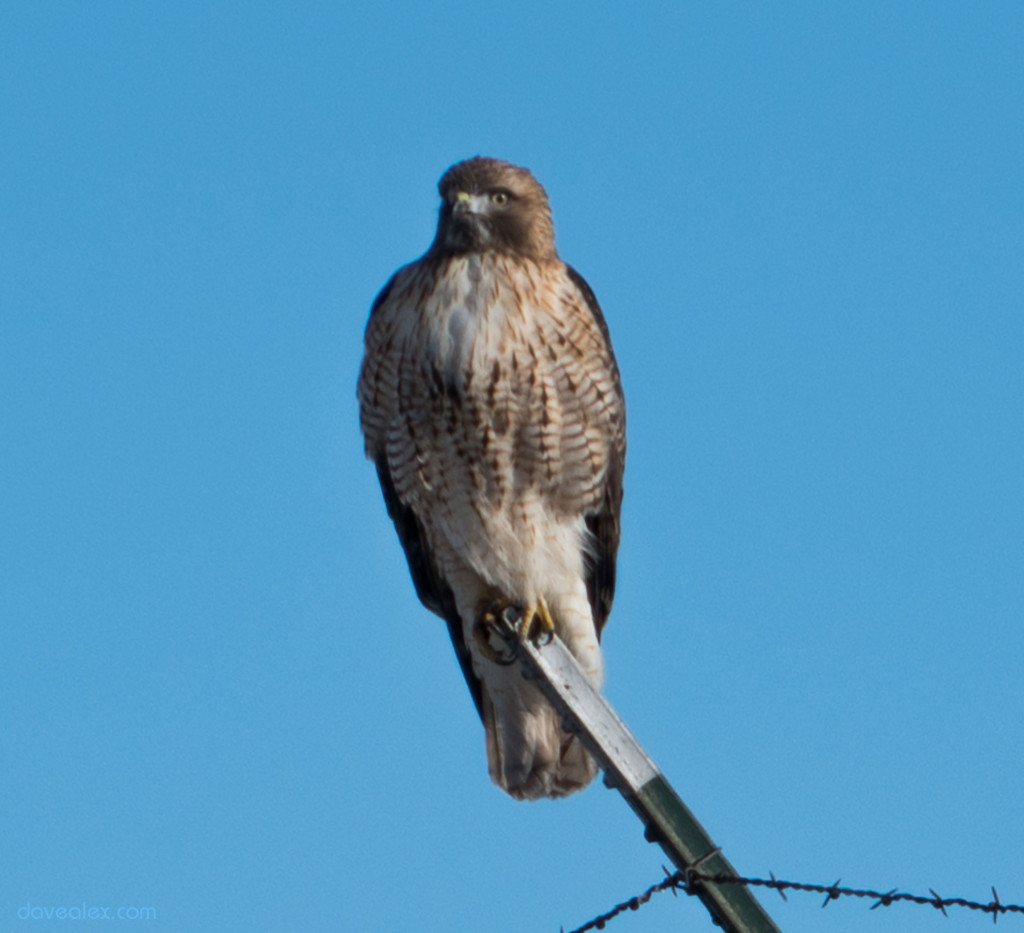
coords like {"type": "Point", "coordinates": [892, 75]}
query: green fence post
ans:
{"type": "Point", "coordinates": [631, 771]}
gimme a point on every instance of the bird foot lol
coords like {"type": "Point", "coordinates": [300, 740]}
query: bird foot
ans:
{"type": "Point", "coordinates": [536, 622]}
{"type": "Point", "coordinates": [533, 622]}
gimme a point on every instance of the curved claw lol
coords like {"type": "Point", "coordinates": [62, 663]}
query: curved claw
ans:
{"type": "Point", "coordinates": [508, 621]}
{"type": "Point", "coordinates": [504, 660]}
{"type": "Point", "coordinates": [488, 625]}
{"type": "Point", "coordinates": [535, 617]}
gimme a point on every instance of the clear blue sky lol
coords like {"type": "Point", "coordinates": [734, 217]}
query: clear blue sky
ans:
{"type": "Point", "coordinates": [219, 695]}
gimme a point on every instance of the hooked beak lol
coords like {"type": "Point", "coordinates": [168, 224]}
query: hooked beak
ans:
{"type": "Point", "coordinates": [463, 203]}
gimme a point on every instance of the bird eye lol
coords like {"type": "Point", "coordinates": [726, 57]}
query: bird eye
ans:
{"type": "Point", "coordinates": [500, 199]}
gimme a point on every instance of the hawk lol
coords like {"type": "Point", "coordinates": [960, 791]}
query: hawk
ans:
{"type": "Point", "coordinates": [491, 404]}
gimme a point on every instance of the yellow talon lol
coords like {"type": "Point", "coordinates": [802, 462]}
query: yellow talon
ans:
{"type": "Point", "coordinates": [534, 615]}
{"type": "Point", "coordinates": [536, 621]}
{"type": "Point", "coordinates": [485, 626]}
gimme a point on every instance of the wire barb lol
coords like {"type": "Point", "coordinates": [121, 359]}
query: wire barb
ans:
{"type": "Point", "coordinates": [833, 893]}
{"type": "Point", "coordinates": [885, 900]}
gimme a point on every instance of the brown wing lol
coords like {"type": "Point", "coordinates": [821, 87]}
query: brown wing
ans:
{"type": "Point", "coordinates": [604, 524]}
{"type": "Point", "coordinates": [431, 587]}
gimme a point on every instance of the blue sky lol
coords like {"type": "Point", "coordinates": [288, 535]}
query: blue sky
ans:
{"type": "Point", "coordinates": [805, 223]}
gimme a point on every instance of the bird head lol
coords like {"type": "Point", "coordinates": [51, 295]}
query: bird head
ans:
{"type": "Point", "coordinates": [492, 206]}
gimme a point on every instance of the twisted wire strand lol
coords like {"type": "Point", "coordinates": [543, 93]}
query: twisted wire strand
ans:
{"type": "Point", "coordinates": [688, 880]}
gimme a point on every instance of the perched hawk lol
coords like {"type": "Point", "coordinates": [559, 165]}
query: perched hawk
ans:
{"type": "Point", "coordinates": [491, 404]}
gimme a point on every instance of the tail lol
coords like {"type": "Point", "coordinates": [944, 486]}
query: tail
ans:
{"type": "Point", "coordinates": [529, 754]}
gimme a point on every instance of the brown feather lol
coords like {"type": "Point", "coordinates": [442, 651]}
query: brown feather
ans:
{"type": "Point", "coordinates": [491, 403]}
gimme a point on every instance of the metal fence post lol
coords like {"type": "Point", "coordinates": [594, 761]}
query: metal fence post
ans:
{"type": "Point", "coordinates": [630, 771]}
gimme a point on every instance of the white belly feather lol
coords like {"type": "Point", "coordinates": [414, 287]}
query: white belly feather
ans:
{"type": "Point", "coordinates": [513, 539]}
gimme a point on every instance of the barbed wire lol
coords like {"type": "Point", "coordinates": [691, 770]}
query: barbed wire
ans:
{"type": "Point", "coordinates": [686, 881]}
